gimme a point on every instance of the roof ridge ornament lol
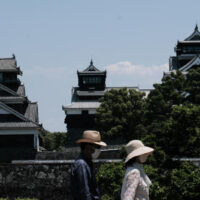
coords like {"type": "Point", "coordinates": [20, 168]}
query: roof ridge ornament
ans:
{"type": "Point", "coordinates": [91, 62]}
{"type": "Point", "coordinates": [196, 28]}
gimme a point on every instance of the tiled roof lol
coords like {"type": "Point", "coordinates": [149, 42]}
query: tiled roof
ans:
{"type": "Point", "coordinates": [82, 105]}
{"type": "Point", "coordinates": [90, 93]}
{"type": "Point", "coordinates": [13, 99]}
{"type": "Point", "coordinates": [21, 91]}
{"type": "Point", "coordinates": [30, 116]}
{"type": "Point", "coordinates": [7, 125]}
{"type": "Point", "coordinates": [91, 69]}
{"type": "Point", "coordinates": [9, 65]}
{"type": "Point", "coordinates": [14, 112]}
{"type": "Point", "coordinates": [32, 112]}
{"type": "Point", "coordinates": [194, 61]}
{"type": "Point", "coordinates": [118, 88]}
{"type": "Point", "coordinates": [189, 41]}
{"type": "Point", "coordinates": [194, 36]}
{"type": "Point", "coordinates": [76, 93]}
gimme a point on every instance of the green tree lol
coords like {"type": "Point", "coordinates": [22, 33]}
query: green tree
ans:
{"type": "Point", "coordinates": [193, 86]}
{"type": "Point", "coordinates": [54, 140]}
{"type": "Point", "coordinates": [121, 114]}
{"type": "Point", "coordinates": [110, 178]}
{"type": "Point", "coordinates": [172, 116]}
{"type": "Point", "coordinates": [172, 123]}
{"type": "Point", "coordinates": [184, 137]}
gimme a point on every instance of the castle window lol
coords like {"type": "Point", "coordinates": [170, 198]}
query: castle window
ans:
{"type": "Point", "coordinates": [1, 77]}
{"type": "Point", "coordinates": [91, 80]}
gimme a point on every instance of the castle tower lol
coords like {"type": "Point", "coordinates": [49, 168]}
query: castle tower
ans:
{"type": "Point", "coordinates": [80, 114]}
{"type": "Point", "coordinates": [19, 123]}
{"type": "Point", "coordinates": [187, 53]}
{"type": "Point", "coordinates": [85, 100]}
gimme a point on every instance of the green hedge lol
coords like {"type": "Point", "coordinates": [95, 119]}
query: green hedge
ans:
{"type": "Point", "coordinates": [19, 199]}
{"type": "Point", "coordinates": [109, 178]}
{"type": "Point", "coordinates": [25, 199]}
{"type": "Point", "coordinates": [180, 182]}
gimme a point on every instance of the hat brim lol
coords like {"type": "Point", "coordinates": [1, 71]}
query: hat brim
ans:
{"type": "Point", "coordinates": [138, 152]}
{"type": "Point", "coordinates": [91, 141]}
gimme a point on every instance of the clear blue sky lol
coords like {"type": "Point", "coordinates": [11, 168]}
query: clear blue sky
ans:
{"type": "Point", "coordinates": [53, 39]}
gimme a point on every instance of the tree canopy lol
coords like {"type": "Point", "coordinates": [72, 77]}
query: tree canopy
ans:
{"type": "Point", "coordinates": [173, 114]}
{"type": "Point", "coordinates": [169, 120]}
{"type": "Point", "coordinates": [121, 114]}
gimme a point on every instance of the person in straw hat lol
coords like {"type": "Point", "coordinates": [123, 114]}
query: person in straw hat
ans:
{"type": "Point", "coordinates": [136, 183]}
{"type": "Point", "coordinates": [83, 182]}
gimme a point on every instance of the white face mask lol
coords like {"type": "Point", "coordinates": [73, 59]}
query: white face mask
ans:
{"type": "Point", "coordinates": [143, 158]}
{"type": "Point", "coordinates": [96, 154]}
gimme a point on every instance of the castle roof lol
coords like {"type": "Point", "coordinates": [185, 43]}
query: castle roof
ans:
{"type": "Point", "coordinates": [32, 112]}
{"type": "Point", "coordinates": [82, 105]}
{"type": "Point", "coordinates": [191, 63]}
{"type": "Point", "coordinates": [194, 36]}
{"type": "Point", "coordinates": [9, 65]}
{"type": "Point", "coordinates": [17, 125]}
{"type": "Point", "coordinates": [91, 70]}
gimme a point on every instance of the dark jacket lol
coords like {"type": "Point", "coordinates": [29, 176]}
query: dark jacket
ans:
{"type": "Point", "coordinates": [83, 181]}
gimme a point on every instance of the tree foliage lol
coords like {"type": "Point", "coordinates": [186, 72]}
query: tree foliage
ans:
{"type": "Point", "coordinates": [173, 114]}
{"type": "Point", "coordinates": [110, 178]}
{"type": "Point", "coordinates": [170, 119]}
{"type": "Point", "coordinates": [54, 140]}
{"type": "Point", "coordinates": [121, 113]}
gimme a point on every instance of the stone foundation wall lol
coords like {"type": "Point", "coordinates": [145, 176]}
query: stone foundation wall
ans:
{"type": "Point", "coordinates": [111, 152]}
{"type": "Point", "coordinates": [45, 180]}
{"type": "Point", "coordinates": [42, 181]}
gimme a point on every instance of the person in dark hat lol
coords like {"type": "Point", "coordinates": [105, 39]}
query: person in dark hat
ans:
{"type": "Point", "coordinates": [83, 181]}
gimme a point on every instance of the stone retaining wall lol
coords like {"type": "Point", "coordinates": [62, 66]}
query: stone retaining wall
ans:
{"type": "Point", "coordinates": [45, 180]}
{"type": "Point", "coordinates": [111, 153]}
{"type": "Point", "coordinates": [42, 181]}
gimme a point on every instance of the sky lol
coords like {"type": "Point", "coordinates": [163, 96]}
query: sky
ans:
{"type": "Point", "coordinates": [52, 39]}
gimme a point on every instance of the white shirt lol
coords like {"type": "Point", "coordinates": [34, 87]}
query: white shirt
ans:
{"type": "Point", "coordinates": [135, 184]}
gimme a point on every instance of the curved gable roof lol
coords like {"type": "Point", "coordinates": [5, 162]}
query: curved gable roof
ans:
{"type": "Point", "coordinates": [191, 63]}
{"type": "Point", "coordinates": [195, 35]}
{"type": "Point", "coordinates": [91, 69]}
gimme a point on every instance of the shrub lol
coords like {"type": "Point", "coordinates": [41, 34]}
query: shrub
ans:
{"type": "Point", "coordinates": [19, 199]}
{"type": "Point", "coordinates": [110, 178]}
{"type": "Point", "coordinates": [180, 182]}
{"type": "Point", "coordinates": [25, 199]}
{"type": "Point", "coordinates": [185, 182]}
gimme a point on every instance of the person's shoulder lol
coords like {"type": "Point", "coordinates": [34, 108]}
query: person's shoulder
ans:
{"type": "Point", "coordinates": [133, 172]}
{"type": "Point", "coordinates": [80, 162]}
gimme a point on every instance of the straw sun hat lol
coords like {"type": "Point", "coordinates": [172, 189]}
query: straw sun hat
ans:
{"type": "Point", "coordinates": [136, 148]}
{"type": "Point", "coordinates": [93, 137]}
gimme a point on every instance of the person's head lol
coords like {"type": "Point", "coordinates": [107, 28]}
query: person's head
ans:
{"type": "Point", "coordinates": [89, 150]}
{"type": "Point", "coordinates": [90, 144]}
{"type": "Point", "coordinates": [137, 152]}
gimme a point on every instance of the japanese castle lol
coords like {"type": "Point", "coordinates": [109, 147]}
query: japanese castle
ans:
{"type": "Point", "coordinates": [80, 113]}
{"type": "Point", "coordinates": [187, 54]}
{"type": "Point", "coordinates": [19, 123]}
